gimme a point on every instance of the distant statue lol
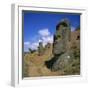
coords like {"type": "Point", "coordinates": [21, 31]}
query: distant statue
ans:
{"type": "Point", "coordinates": [40, 48]}
{"type": "Point", "coordinates": [48, 45]}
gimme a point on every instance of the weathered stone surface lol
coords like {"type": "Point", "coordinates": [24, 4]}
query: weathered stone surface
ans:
{"type": "Point", "coordinates": [40, 48]}
{"type": "Point", "coordinates": [61, 45]}
{"type": "Point", "coordinates": [48, 45]}
{"type": "Point", "coordinates": [61, 37]}
{"type": "Point", "coordinates": [66, 47]}
{"type": "Point", "coordinates": [62, 61]}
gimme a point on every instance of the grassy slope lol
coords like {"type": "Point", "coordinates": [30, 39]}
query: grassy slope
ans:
{"type": "Point", "coordinates": [34, 64]}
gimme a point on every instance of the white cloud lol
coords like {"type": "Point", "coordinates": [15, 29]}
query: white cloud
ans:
{"type": "Point", "coordinates": [40, 40]}
{"type": "Point", "coordinates": [45, 37]}
{"type": "Point", "coordinates": [27, 43]}
{"type": "Point", "coordinates": [48, 39]}
{"type": "Point", "coordinates": [44, 32]}
{"type": "Point", "coordinates": [34, 46]}
{"type": "Point", "coordinates": [72, 28]}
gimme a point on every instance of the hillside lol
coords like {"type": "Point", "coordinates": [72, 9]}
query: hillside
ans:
{"type": "Point", "coordinates": [34, 64]}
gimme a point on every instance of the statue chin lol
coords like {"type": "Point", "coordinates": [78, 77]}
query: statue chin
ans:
{"type": "Point", "coordinates": [56, 51]}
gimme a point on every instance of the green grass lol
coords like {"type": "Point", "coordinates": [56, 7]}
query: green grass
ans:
{"type": "Point", "coordinates": [73, 68]}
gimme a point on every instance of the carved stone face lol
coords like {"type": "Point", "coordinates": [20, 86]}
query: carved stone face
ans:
{"type": "Point", "coordinates": [59, 47]}
{"type": "Point", "coordinates": [61, 38]}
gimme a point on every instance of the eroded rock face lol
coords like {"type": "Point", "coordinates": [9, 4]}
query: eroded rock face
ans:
{"type": "Point", "coordinates": [65, 46]}
{"type": "Point", "coordinates": [61, 37]}
{"type": "Point", "coordinates": [62, 61]}
{"type": "Point", "coordinates": [40, 48]}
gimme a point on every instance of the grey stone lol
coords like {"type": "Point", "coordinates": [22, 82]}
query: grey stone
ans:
{"type": "Point", "coordinates": [66, 47]}
{"type": "Point", "coordinates": [61, 37]}
{"type": "Point", "coordinates": [40, 48]}
{"type": "Point", "coordinates": [62, 61]}
{"type": "Point", "coordinates": [62, 55]}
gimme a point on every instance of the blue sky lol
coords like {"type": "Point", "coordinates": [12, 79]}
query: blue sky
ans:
{"type": "Point", "coordinates": [41, 26]}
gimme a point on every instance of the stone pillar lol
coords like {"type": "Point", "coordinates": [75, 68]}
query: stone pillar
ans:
{"type": "Point", "coordinates": [61, 37]}
{"type": "Point", "coordinates": [40, 48]}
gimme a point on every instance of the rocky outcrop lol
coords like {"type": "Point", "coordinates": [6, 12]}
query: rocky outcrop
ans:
{"type": "Point", "coordinates": [61, 37]}
{"type": "Point", "coordinates": [40, 48]}
{"type": "Point", "coordinates": [66, 45]}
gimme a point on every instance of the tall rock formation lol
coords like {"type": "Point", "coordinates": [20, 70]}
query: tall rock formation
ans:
{"type": "Point", "coordinates": [63, 50]}
{"type": "Point", "coordinates": [61, 37]}
{"type": "Point", "coordinates": [40, 48]}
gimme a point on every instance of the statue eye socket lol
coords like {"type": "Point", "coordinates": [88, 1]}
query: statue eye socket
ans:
{"type": "Point", "coordinates": [59, 36]}
{"type": "Point", "coordinates": [56, 37]}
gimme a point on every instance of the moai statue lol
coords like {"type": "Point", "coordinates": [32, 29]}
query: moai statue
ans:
{"type": "Point", "coordinates": [60, 51]}
{"type": "Point", "coordinates": [48, 45]}
{"type": "Point", "coordinates": [60, 46]}
{"type": "Point", "coordinates": [40, 48]}
{"type": "Point", "coordinates": [61, 37]}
